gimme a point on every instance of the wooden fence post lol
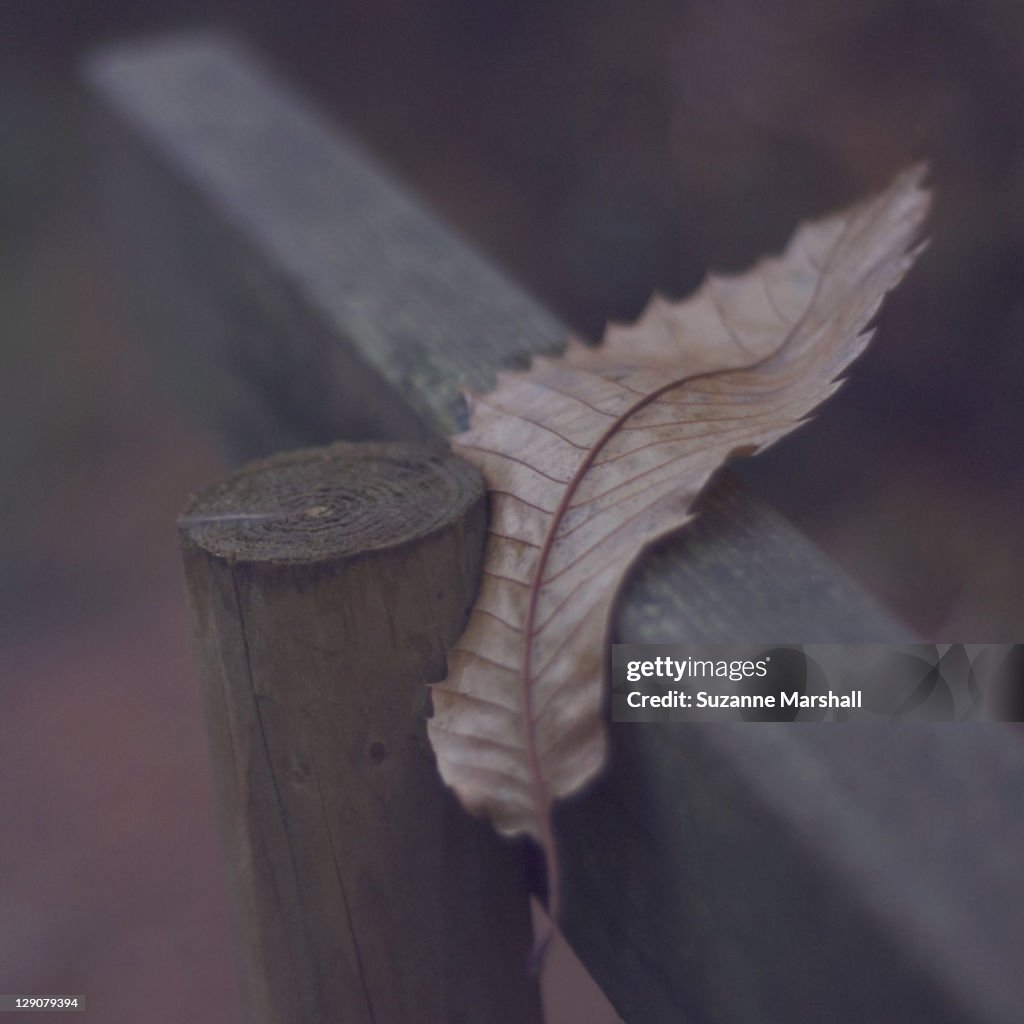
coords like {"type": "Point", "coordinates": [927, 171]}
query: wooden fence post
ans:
{"type": "Point", "coordinates": [326, 586]}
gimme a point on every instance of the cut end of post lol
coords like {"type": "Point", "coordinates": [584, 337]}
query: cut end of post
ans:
{"type": "Point", "coordinates": [337, 501]}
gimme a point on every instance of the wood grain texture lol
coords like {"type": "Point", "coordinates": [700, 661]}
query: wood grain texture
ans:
{"type": "Point", "coordinates": [326, 586]}
{"type": "Point", "coordinates": [717, 874]}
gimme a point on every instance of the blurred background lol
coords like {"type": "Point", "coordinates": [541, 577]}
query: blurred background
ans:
{"type": "Point", "coordinates": [598, 152]}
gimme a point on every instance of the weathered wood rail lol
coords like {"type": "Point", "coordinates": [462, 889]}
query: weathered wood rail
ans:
{"type": "Point", "coordinates": [716, 874]}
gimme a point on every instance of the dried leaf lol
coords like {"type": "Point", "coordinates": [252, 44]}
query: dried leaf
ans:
{"type": "Point", "coordinates": [591, 457]}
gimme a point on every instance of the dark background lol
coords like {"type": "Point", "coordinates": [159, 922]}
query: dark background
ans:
{"type": "Point", "coordinates": [597, 151]}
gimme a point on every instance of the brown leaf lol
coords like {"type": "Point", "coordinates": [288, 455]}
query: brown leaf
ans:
{"type": "Point", "coordinates": [591, 457]}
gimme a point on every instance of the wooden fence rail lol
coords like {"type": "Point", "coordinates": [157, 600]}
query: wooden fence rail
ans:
{"type": "Point", "coordinates": [751, 874]}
